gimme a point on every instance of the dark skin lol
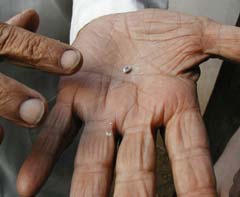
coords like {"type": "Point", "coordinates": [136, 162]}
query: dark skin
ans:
{"type": "Point", "coordinates": [163, 49]}
{"type": "Point", "coordinates": [20, 45]}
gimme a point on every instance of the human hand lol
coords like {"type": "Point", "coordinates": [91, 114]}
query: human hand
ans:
{"type": "Point", "coordinates": [19, 103]}
{"type": "Point", "coordinates": [163, 50]}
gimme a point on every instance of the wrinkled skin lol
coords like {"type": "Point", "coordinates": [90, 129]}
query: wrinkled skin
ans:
{"type": "Point", "coordinates": [20, 45]}
{"type": "Point", "coordinates": [164, 49]}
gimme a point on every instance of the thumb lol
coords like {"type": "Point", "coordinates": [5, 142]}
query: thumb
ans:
{"type": "Point", "coordinates": [222, 40]}
{"type": "Point", "coordinates": [28, 19]}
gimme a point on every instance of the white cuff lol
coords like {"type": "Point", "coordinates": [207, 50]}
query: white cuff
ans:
{"type": "Point", "coordinates": [85, 11]}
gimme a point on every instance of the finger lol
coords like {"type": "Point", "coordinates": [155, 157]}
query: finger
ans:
{"type": "Point", "coordinates": [20, 104]}
{"type": "Point", "coordinates": [57, 133]}
{"type": "Point", "coordinates": [94, 161]}
{"type": "Point", "coordinates": [1, 134]}
{"type": "Point", "coordinates": [28, 49]}
{"type": "Point", "coordinates": [136, 163]}
{"type": "Point", "coordinates": [28, 19]}
{"type": "Point", "coordinates": [188, 150]}
{"type": "Point", "coordinates": [222, 40]}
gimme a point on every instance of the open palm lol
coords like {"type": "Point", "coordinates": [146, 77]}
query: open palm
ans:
{"type": "Point", "coordinates": [162, 51]}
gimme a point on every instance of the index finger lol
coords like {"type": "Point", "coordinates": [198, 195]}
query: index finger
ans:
{"type": "Point", "coordinates": [29, 49]}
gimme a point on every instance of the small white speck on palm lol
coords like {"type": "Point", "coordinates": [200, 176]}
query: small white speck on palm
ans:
{"type": "Point", "coordinates": [127, 69]}
{"type": "Point", "coordinates": [108, 133]}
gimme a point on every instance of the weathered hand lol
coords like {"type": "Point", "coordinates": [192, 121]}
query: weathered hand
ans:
{"type": "Point", "coordinates": [19, 103]}
{"type": "Point", "coordinates": [163, 50]}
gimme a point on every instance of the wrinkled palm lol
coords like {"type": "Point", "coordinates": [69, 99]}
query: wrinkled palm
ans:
{"type": "Point", "coordinates": [163, 50]}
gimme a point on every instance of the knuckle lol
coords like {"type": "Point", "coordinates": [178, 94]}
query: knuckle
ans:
{"type": "Point", "coordinates": [18, 43]}
{"type": "Point", "coordinates": [6, 36]}
{"type": "Point", "coordinates": [4, 95]}
{"type": "Point", "coordinates": [30, 48]}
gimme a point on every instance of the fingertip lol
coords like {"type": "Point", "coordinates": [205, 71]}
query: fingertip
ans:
{"type": "Point", "coordinates": [24, 186]}
{"type": "Point", "coordinates": [32, 111]}
{"type": "Point", "coordinates": [25, 182]}
{"type": "Point", "coordinates": [71, 61]}
{"type": "Point", "coordinates": [33, 173]}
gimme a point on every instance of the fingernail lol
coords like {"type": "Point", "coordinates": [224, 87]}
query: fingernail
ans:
{"type": "Point", "coordinates": [70, 59]}
{"type": "Point", "coordinates": [31, 111]}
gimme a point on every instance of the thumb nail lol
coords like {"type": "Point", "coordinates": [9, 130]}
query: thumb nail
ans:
{"type": "Point", "coordinates": [31, 111]}
{"type": "Point", "coordinates": [70, 59]}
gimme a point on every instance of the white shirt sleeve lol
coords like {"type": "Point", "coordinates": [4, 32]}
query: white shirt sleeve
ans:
{"type": "Point", "coordinates": [85, 11]}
